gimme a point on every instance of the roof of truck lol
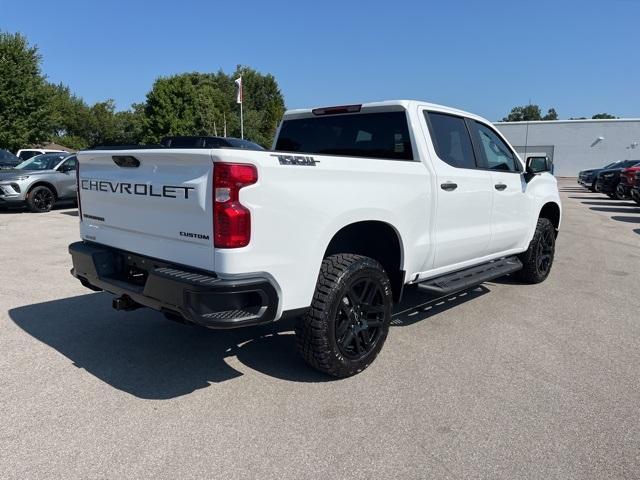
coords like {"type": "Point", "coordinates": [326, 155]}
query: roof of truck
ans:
{"type": "Point", "coordinates": [386, 105]}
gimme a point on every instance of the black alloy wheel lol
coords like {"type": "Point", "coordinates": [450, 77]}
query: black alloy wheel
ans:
{"type": "Point", "coordinates": [348, 321]}
{"type": "Point", "coordinates": [360, 318]}
{"type": "Point", "coordinates": [41, 199]}
{"type": "Point", "coordinates": [544, 252]}
{"type": "Point", "coordinates": [537, 260]}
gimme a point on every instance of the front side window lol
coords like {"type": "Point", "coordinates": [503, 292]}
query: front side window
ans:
{"type": "Point", "coordinates": [451, 139]}
{"type": "Point", "coordinates": [497, 155]}
{"type": "Point", "coordinates": [70, 163]}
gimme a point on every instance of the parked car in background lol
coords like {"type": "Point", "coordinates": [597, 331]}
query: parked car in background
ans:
{"type": "Point", "coordinates": [635, 188]}
{"type": "Point", "coordinates": [209, 142]}
{"type": "Point", "coordinates": [8, 159]}
{"type": "Point", "coordinates": [27, 153]}
{"type": "Point", "coordinates": [39, 182]}
{"type": "Point", "coordinates": [587, 178]}
{"type": "Point", "coordinates": [609, 179]}
{"type": "Point", "coordinates": [627, 181]}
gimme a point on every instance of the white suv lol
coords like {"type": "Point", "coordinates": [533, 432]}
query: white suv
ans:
{"type": "Point", "coordinates": [27, 153]}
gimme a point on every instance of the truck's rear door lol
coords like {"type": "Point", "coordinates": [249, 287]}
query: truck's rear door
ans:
{"type": "Point", "coordinates": [154, 202]}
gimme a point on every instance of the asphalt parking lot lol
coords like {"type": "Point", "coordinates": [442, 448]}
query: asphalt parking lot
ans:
{"type": "Point", "coordinates": [506, 381]}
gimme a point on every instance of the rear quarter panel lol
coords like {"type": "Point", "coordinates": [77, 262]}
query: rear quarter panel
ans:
{"type": "Point", "coordinates": [296, 210]}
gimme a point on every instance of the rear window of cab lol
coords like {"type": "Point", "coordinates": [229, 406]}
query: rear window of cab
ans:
{"type": "Point", "coordinates": [383, 135]}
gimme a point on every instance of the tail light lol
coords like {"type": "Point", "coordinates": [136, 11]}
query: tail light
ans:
{"type": "Point", "coordinates": [628, 175]}
{"type": "Point", "coordinates": [78, 189]}
{"type": "Point", "coordinates": [231, 220]}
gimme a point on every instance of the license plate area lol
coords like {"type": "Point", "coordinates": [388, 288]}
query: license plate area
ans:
{"type": "Point", "coordinates": [132, 269]}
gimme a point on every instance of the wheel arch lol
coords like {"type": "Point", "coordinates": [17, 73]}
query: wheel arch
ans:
{"type": "Point", "coordinates": [44, 183]}
{"type": "Point", "coordinates": [551, 211]}
{"type": "Point", "coordinates": [375, 239]}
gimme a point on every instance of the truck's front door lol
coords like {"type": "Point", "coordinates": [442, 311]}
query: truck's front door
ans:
{"type": "Point", "coordinates": [511, 215]}
{"type": "Point", "coordinates": [462, 228]}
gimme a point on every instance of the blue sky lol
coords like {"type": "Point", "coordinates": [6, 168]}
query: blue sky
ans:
{"type": "Point", "coordinates": [581, 57]}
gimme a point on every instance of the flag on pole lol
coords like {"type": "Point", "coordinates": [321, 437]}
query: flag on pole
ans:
{"type": "Point", "coordinates": [239, 100]}
{"type": "Point", "coordinates": [239, 84]}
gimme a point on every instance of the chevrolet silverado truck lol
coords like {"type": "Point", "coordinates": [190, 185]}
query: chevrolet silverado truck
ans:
{"type": "Point", "coordinates": [351, 205]}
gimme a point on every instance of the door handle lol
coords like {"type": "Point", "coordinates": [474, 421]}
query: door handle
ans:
{"type": "Point", "coordinates": [500, 186]}
{"type": "Point", "coordinates": [448, 186]}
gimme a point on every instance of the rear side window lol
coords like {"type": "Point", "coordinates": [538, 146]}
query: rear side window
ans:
{"type": "Point", "coordinates": [497, 155]}
{"type": "Point", "coordinates": [372, 135]}
{"type": "Point", "coordinates": [451, 139]}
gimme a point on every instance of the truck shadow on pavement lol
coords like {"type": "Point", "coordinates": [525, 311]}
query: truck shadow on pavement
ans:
{"type": "Point", "coordinates": [144, 354]}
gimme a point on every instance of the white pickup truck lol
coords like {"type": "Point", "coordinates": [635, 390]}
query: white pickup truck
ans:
{"type": "Point", "coordinates": [352, 204]}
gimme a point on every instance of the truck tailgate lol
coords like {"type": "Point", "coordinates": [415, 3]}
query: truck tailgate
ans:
{"type": "Point", "coordinates": [150, 202]}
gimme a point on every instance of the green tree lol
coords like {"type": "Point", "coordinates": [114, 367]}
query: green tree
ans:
{"type": "Point", "coordinates": [524, 113]}
{"type": "Point", "coordinates": [23, 99]}
{"type": "Point", "coordinates": [186, 104]}
{"type": "Point", "coordinates": [529, 113]}
{"type": "Point", "coordinates": [199, 103]}
{"type": "Point", "coordinates": [603, 116]}
{"type": "Point", "coordinates": [68, 117]}
{"type": "Point", "coordinates": [129, 125]}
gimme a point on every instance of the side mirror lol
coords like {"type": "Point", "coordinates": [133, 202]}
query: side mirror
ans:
{"type": "Point", "coordinates": [536, 165]}
{"type": "Point", "coordinates": [65, 168]}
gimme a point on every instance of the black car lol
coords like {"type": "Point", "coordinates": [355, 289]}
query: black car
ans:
{"type": "Point", "coordinates": [8, 160]}
{"type": "Point", "coordinates": [209, 142]}
{"type": "Point", "coordinates": [587, 178]}
{"type": "Point", "coordinates": [608, 180]}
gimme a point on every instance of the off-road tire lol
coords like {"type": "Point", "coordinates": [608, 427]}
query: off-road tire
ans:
{"type": "Point", "coordinates": [40, 199]}
{"type": "Point", "coordinates": [532, 271]}
{"type": "Point", "coordinates": [317, 333]}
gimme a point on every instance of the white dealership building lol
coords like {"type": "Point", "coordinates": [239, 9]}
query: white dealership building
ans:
{"type": "Point", "coordinates": [576, 145]}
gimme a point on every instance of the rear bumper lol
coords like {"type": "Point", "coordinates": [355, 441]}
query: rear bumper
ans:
{"type": "Point", "coordinates": [199, 297]}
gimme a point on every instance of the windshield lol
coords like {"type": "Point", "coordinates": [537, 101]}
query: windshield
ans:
{"type": "Point", "coordinates": [48, 161]}
{"type": "Point", "coordinates": [9, 157]}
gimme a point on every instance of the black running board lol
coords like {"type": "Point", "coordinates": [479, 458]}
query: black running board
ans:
{"type": "Point", "coordinates": [470, 277]}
